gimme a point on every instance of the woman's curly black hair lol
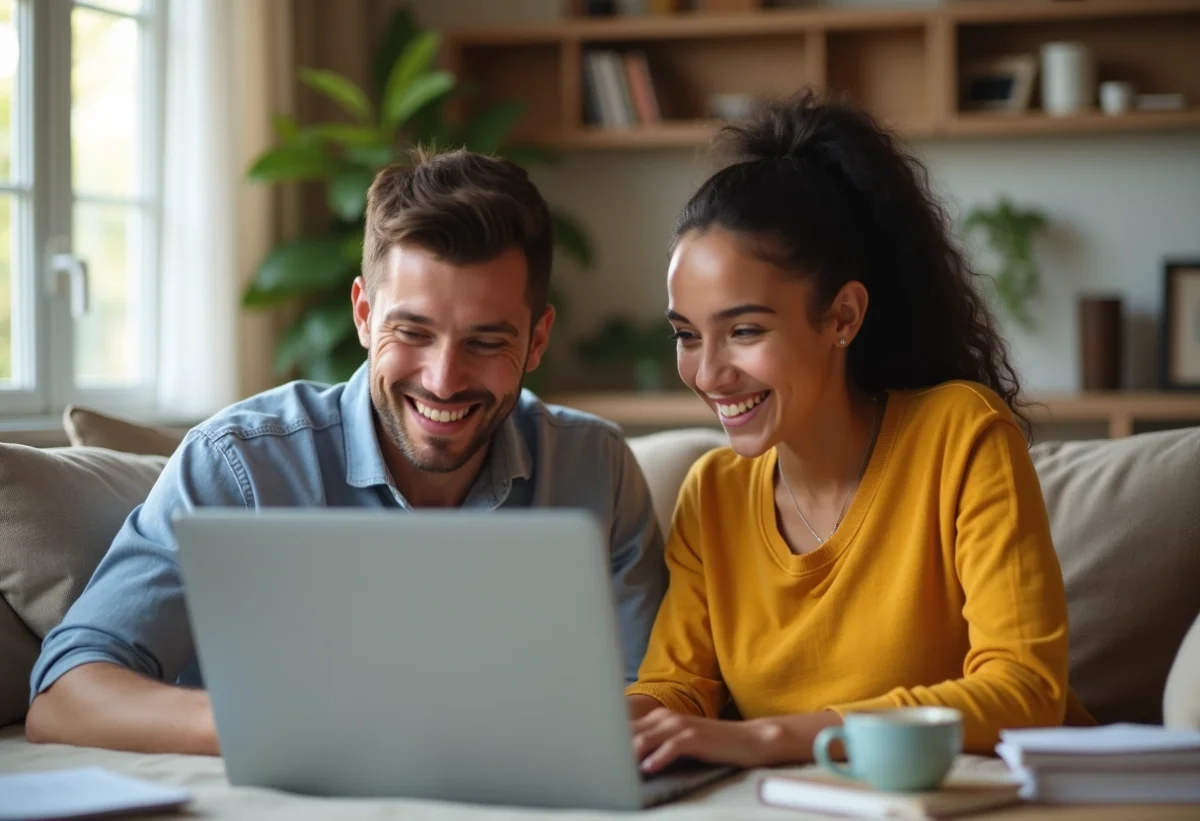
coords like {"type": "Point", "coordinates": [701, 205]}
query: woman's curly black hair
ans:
{"type": "Point", "coordinates": [821, 189]}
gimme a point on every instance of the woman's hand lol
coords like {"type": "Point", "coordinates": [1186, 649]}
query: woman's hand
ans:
{"type": "Point", "coordinates": [661, 737]}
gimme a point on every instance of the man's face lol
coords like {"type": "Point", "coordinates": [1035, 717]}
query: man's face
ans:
{"type": "Point", "coordinates": [449, 346]}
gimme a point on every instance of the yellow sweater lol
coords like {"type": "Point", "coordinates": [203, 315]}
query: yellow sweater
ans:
{"type": "Point", "coordinates": [941, 586]}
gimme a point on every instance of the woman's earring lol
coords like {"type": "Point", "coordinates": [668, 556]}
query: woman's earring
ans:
{"type": "Point", "coordinates": [842, 341]}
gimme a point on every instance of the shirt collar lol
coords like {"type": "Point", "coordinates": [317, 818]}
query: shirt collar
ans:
{"type": "Point", "coordinates": [364, 459]}
{"type": "Point", "coordinates": [509, 458]}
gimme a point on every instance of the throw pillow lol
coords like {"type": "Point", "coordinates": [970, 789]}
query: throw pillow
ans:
{"type": "Point", "coordinates": [89, 428]}
{"type": "Point", "coordinates": [59, 511]}
{"type": "Point", "coordinates": [1123, 516]}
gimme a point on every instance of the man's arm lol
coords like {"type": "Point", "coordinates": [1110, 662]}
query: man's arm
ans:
{"type": "Point", "coordinates": [106, 674]}
{"type": "Point", "coordinates": [639, 574]}
{"type": "Point", "coordinates": [100, 704]}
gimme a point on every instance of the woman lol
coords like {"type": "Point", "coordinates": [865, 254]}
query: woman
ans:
{"type": "Point", "coordinates": [875, 535]}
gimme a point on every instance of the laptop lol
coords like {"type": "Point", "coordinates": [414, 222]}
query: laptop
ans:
{"type": "Point", "coordinates": [450, 655]}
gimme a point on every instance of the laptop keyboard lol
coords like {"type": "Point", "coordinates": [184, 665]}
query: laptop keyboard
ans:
{"type": "Point", "coordinates": [676, 781]}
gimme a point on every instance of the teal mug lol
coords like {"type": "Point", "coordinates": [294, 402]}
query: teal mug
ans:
{"type": "Point", "coordinates": [908, 749]}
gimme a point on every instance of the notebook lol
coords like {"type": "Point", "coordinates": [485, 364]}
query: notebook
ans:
{"type": "Point", "coordinates": [819, 791]}
{"type": "Point", "coordinates": [82, 793]}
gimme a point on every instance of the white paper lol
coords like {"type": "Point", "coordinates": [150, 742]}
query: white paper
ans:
{"type": "Point", "coordinates": [37, 796]}
{"type": "Point", "coordinates": [1108, 740]}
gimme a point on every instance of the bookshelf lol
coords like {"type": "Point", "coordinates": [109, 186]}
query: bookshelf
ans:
{"type": "Point", "coordinates": [904, 65]}
{"type": "Point", "coordinates": [1120, 411]}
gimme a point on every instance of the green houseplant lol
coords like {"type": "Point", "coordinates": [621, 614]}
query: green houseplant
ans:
{"type": "Point", "coordinates": [1009, 231]}
{"type": "Point", "coordinates": [406, 109]}
{"type": "Point", "coordinates": [642, 347]}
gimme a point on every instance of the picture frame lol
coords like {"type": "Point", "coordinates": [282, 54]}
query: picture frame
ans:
{"type": "Point", "coordinates": [1180, 327]}
{"type": "Point", "coordinates": [1000, 84]}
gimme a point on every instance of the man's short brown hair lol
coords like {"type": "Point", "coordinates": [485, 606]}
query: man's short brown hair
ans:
{"type": "Point", "coordinates": [463, 207]}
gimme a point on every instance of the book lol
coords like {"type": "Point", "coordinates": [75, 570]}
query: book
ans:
{"type": "Point", "coordinates": [1173, 787]}
{"type": "Point", "coordinates": [82, 792]}
{"type": "Point", "coordinates": [820, 791]}
{"type": "Point", "coordinates": [1117, 763]}
{"type": "Point", "coordinates": [1106, 740]}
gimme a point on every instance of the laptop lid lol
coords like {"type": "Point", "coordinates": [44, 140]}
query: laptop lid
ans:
{"type": "Point", "coordinates": [461, 655]}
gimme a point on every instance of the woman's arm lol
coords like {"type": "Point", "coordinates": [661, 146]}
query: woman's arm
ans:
{"type": "Point", "coordinates": [1015, 674]}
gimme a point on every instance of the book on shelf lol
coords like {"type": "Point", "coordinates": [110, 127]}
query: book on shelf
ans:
{"type": "Point", "coordinates": [819, 791]}
{"type": "Point", "coordinates": [618, 89]}
{"type": "Point", "coordinates": [1116, 763]}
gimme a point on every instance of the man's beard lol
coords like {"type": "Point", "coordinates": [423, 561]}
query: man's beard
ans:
{"type": "Point", "coordinates": [437, 457]}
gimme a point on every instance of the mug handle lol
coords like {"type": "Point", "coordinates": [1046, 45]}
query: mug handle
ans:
{"type": "Point", "coordinates": [821, 750]}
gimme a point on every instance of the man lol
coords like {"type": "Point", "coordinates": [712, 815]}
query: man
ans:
{"type": "Point", "coordinates": [452, 309]}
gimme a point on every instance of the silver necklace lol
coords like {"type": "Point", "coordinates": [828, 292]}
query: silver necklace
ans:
{"type": "Point", "coordinates": [862, 466]}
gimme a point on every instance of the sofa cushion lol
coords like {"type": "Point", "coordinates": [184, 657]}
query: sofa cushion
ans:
{"type": "Point", "coordinates": [665, 459]}
{"type": "Point", "coordinates": [59, 511]}
{"type": "Point", "coordinates": [1123, 516]}
{"type": "Point", "coordinates": [19, 649]}
{"type": "Point", "coordinates": [90, 428]}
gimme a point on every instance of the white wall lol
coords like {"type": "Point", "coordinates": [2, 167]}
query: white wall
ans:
{"type": "Point", "coordinates": [1118, 205]}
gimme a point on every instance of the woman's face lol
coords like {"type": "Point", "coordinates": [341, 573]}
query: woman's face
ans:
{"type": "Point", "coordinates": [746, 341]}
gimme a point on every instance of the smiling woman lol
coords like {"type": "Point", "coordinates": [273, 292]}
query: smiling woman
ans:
{"type": "Point", "coordinates": [877, 489]}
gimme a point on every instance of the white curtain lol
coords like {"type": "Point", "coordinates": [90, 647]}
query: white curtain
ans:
{"type": "Point", "coordinates": [227, 71]}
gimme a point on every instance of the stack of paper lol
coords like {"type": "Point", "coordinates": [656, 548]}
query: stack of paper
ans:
{"type": "Point", "coordinates": [1118, 763]}
{"type": "Point", "coordinates": [80, 793]}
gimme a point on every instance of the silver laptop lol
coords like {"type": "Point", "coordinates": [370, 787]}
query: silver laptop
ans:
{"type": "Point", "coordinates": [455, 655]}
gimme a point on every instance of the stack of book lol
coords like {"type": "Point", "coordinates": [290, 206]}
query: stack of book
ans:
{"type": "Point", "coordinates": [620, 91]}
{"type": "Point", "coordinates": [1113, 764]}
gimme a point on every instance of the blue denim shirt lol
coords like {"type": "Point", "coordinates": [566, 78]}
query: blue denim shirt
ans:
{"type": "Point", "coordinates": [309, 445]}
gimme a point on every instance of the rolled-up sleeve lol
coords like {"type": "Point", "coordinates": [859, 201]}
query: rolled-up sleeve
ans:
{"type": "Point", "coordinates": [639, 574]}
{"type": "Point", "coordinates": [132, 611]}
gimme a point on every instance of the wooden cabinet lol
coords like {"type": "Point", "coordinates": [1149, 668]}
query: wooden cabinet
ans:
{"type": "Point", "coordinates": [904, 65]}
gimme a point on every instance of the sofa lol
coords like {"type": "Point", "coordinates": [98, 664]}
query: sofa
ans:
{"type": "Point", "coordinates": [1125, 516]}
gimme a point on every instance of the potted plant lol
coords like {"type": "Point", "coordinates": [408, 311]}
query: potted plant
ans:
{"type": "Point", "coordinates": [620, 341]}
{"type": "Point", "coordinates": [406, 109]}
{"type": "Point", "coordinates": [1009, 231]}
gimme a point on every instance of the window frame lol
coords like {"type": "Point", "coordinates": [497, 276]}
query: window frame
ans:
{"type": "Point", "coordinates": [44, 100]}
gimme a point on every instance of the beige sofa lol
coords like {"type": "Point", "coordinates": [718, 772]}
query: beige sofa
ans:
{"type": "Point", "coordinates": [1125, 515]}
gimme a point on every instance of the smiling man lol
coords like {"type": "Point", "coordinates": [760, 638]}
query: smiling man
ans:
{"type": "Point", "coordinates": [452, 310]}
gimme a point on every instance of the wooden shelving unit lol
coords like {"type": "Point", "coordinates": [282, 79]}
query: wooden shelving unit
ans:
{"type": "Point", "coordinates": [1120, 411]}
{"type": "Point", "coordinates": [903, 65]}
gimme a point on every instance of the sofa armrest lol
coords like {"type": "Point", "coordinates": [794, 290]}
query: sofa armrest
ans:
{"type": "Point", "coordinates": [1181, 699]}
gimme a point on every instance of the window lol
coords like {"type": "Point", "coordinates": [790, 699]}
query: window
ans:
{"type": "Point", "coordinates": [80, 112]}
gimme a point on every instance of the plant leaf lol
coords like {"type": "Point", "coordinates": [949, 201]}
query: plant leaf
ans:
{"type": "Point", "coordinates": [256, 298]}
{"type": "Point", "coordinates": [302, 265]}
{"type": "Point", "coordinates": [291, 162]}
{"type": "Point", "coordinates": [349, 135]}
{"type": "Point", "coordinates": [319, 331]}
{"type": "Point", "coordinates": [571, 237]}
{"type": "Point", "coordinates": [421, 91]}
{"type": "Point", "coordinates": [370, 156]}
{"type": "Point", "coordinates": [347, 193]}
{"type": "Point", "coordinates": [488, 130]}
{"type": "Point", "coordinates": [400, 31]}
{"type": "Point", "coordinates": [338, 365]}
{"type": "Point", "coordinates": [414, 62]}
{"type": "Point", "coordinates": [285, 127]}
{"type": "Point", "coordinates": [352, 245]}
{"type": "Point", "coordinates": [341, 90]}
